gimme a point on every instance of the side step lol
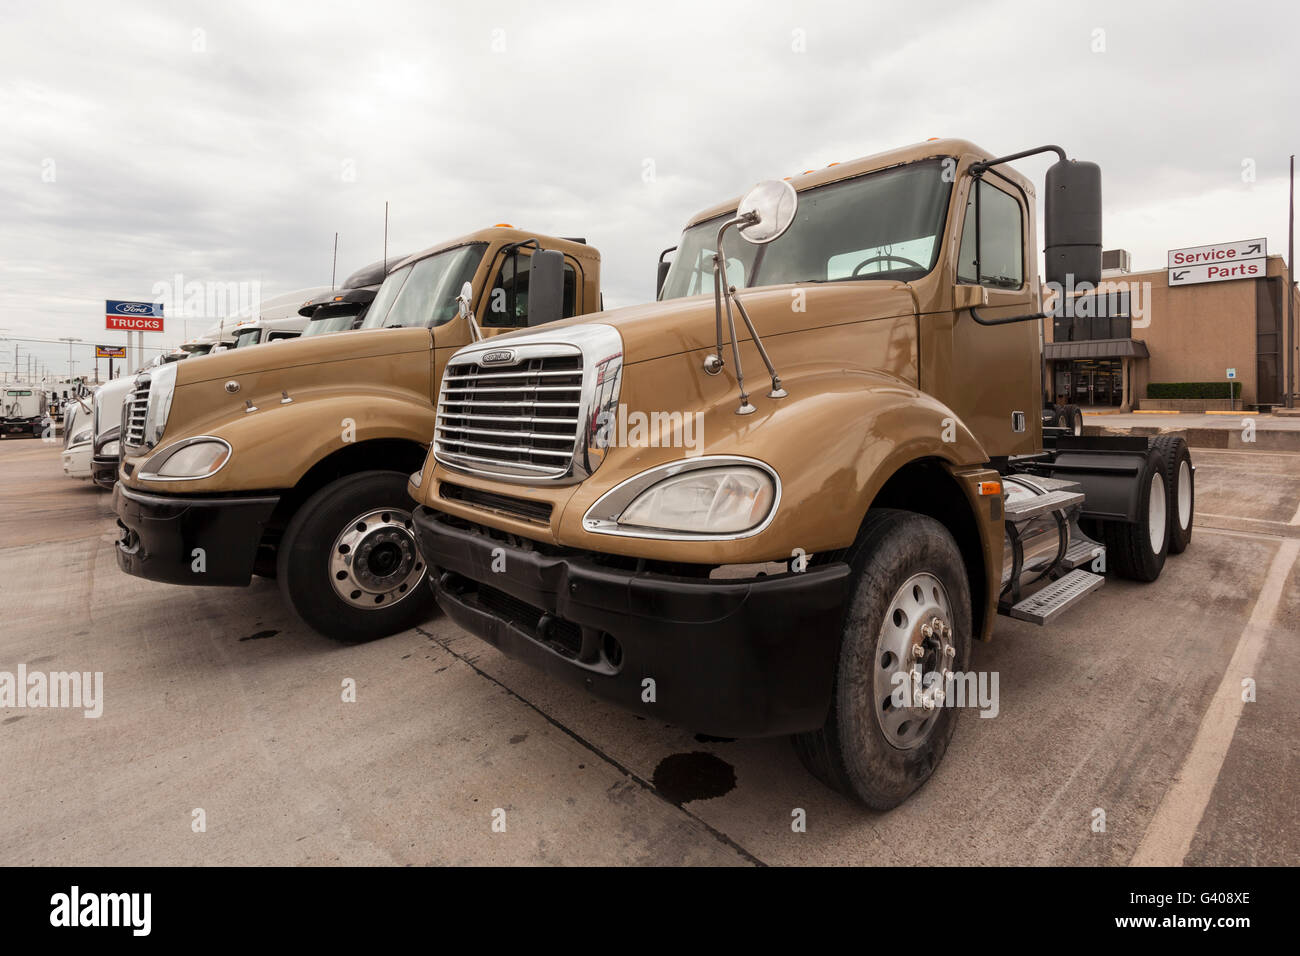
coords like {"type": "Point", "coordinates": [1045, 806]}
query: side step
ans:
{"type": "Point", "coordinates": [1030, 506]}
{"type": "Point", "coordinates": [1047, 602]}
{"type": "Point", "coordinates": [1082, 551]}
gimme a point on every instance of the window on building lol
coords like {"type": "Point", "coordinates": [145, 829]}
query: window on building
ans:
{"type": "Point", "coordinates": [999, 260]}
{"type": "Point", "coordinates": [1088, 318]}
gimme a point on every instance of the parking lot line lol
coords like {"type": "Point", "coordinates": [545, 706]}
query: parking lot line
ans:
{"type": "Point", "coordinates": [1170, 832]}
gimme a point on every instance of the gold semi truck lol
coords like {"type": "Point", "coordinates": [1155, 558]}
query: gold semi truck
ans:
{"type": "Point", "coordinates": [787, 496]}
{"type": "Point", "coordinates": [290, 460]}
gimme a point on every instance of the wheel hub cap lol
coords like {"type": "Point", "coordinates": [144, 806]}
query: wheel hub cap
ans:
{"type": "Point", "coordinates": [374, 562]}
{"type": "Point", "coordinates": [914, 658]}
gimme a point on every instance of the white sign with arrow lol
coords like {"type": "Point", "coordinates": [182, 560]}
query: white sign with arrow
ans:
{"type": "Point", "coordinates": [1219, 263]}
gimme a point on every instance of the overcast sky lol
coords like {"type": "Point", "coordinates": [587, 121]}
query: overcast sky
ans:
{"type": "Point", "coordinates": [228, 142]}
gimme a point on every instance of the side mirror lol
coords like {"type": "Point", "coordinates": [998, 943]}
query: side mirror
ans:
{"type": "Point", "coordinates": [545, 286]}
{"type": "Point", "coordinates": [769, 209]}
{"type": "Point", "coordinates": [463, 311]}
{"type": "Point", "coordinates": [663, 271]}
{"type": "Point", "coordinates": [1072, 223]}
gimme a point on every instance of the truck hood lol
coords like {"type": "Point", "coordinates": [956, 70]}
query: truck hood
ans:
{"type": "Point", "coordinates": [313, 350]}
{"type": "Point", "coordinates": [658, 329]}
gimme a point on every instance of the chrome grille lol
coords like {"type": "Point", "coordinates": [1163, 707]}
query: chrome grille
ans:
{"type": "Point", "coordinates": [135, 411]}
{"type": "Point", "coordinates": [527, 409]}
{"type": "Point", "coordinates": [523, 420]}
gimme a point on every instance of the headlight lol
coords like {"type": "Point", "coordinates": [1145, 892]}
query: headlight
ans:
{"type": "Point", "coordinates": [162, 386]}
{"type": "Point", "coordinates": [711, 497]}
{"type": "Point", "coordinates": [192, 458]}
{"type": "Point", "coordinates": [81, 436]}
{"type": "Point", "coordinates": [111, 449]}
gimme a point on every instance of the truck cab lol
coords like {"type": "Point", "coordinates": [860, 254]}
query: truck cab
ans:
{"type": "Point", "coordinates": [24, 410]}
{"type": "Point", "coordinates": [788, 496]}
{"type": "Point", "coordinates": [292, 461]}
{"type": "Point", "coordinates": [278, 319]}
{"type": "Point", "coordinates": [344, 309]}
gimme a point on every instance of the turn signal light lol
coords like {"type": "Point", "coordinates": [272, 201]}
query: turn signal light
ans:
{"type": "Point", "coordinates": [990, 487]}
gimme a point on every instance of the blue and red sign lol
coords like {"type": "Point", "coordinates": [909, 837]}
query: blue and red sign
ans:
{"type": "Point", "coordinates": [120, 316]}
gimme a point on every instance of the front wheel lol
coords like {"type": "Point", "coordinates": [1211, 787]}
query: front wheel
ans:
{"type": "Point", "coordinates": [906, 632]}
{"type": "Point", "coordinates": [348, 564]}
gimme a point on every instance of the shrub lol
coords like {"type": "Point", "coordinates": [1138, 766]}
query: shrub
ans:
{"type": "Point", "coordinates": [1193, 389]}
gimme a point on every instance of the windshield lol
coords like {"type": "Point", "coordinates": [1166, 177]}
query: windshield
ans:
{"type": "Point", "coordinates": [246, 338]}
{"type": "Point", "coordinates": [334, 323]}
{"type": "Point", "coordinates": [881, 225]}
{"type": "Point", "coordinates": [423, 294]}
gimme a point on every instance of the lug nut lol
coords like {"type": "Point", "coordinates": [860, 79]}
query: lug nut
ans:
{"type": "Point", "coordinates": [918, 651]}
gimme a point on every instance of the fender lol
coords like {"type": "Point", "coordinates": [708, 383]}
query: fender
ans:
{"type": "Point", "coordinates": [842, 442]}
{"type": "Point", "coordinates": [275, 446]}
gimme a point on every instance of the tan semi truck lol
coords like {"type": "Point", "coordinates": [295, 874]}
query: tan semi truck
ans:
{"type": "Point", "coordinates": [291, 461]}
{"type": "Point", "coordinates": [620, 504]}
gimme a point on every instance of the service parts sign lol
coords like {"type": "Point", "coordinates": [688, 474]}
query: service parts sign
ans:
{"type": "Point", "coordinates": [133, 316]}
{"type": "Point", "coordinates": [1219, 263]}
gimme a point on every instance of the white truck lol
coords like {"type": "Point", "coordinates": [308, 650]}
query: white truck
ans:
{"type": "Point", "coordinates": [78, 439]}
{"type": "Point", "coordinates": [25, 411]}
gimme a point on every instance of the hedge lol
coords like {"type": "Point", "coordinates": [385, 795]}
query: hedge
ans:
{"type": "Point", "coordinates": [1192, 389]}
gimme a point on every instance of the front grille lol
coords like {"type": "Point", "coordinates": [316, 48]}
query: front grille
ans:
{"type": "Point", "coordinates": [523, 420]}
{"type": "Point", "coordinates": [135, 410]}
{"type": "Point", "coordinates": [539, 511]}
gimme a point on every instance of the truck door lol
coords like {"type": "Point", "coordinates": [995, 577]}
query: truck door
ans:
{"type": "Point", "coordinates": [993, 380]}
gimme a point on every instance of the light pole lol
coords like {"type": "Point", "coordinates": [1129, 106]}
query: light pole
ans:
{"type": "Point", "coordinates": [69, 340]}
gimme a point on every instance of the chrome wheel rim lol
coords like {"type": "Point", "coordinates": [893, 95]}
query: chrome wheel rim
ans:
{"type": "Point", "coordinates": [1156, 517]}
{"type": "Point", "coordinates": [1184, 495]}
{"type": "Point", "coordinates": [374, 562]}
{"type": "Point", "coordinates": [915, 641]}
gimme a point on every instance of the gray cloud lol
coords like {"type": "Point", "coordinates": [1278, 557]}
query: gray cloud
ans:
{"type": "Point", "coordinates": [228, 142]}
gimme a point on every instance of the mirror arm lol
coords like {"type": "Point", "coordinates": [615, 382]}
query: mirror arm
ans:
{"type": "Point", "coordinates": [721, 297]}
{"type": "Point", "coordinates": [977, 169]}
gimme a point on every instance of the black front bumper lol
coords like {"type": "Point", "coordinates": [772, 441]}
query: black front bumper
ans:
{"type": "Point", "coordinates": [733, 658]}
{"type": "Point", "coordinates": [103, 470]}
{"type": "Point", "coordinates": [21, 426]}
{"type": "Point", "coordinates": [161, 533]}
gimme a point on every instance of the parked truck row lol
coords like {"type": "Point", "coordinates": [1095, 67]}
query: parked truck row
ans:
{"type": "Point", "coordinates": [856, 467]}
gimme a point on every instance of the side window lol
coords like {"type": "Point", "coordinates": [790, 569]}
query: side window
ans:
{"type": "Point", "coordinates": [1000, 258]}
{"type": "Point", "coordinates": [570, 290]}
{"type": "Point", "coordinates": [507, 303]}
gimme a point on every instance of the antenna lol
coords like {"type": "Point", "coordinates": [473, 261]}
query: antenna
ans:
{"type": "Point", "coordinates": [335, 267]}
{"type": "Point", "coordinates": [385, 237]}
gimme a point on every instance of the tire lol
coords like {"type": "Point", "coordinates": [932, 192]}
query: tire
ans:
{"type": "Point", "coordinates": [853, 752]}
{"type": "Point", "coordinates": [1072, 419]}
{"type": "Point", "coordinates": [357, 527]}
{"type": "Point", "coordinates": [1180, 490]}
{"type": "Point", "coordinates": [1131, 551]}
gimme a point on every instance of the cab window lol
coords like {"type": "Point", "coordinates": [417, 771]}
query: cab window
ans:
{"type": "Point", "coordinates": [999, 261]}
{"type": "Point", "coordinates": [507, 303]}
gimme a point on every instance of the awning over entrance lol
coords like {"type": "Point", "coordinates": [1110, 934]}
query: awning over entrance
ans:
{"type": "Point", "coordinates": [1096, 348]}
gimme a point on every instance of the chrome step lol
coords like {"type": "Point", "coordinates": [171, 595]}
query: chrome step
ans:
{"type": "Point", "coordinates": [1031, 506]}
{"type": "Point", "coordinates": [1046, 603]}
{"type": "Point", "coordinates": [1082, 552]}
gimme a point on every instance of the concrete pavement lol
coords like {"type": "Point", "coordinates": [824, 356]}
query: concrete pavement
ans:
{"type": "Point", "coordinates": [217, 700]}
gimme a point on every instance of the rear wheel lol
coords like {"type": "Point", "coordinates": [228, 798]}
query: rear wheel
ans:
{"type": "Point", "coordinates": [1072, 419]}
{"type": "Point", "coordinates": [348, 563]}
{"type": "Point", "coordinates": [908, 618]}
{"type": "Point", "coordinates": [1138, 550]}
{"type": "Point", "coordinates": [1180, 490]}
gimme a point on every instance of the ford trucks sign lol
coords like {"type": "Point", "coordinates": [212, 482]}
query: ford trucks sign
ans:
{"type": "Point", "coordinates": [122, 316]}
